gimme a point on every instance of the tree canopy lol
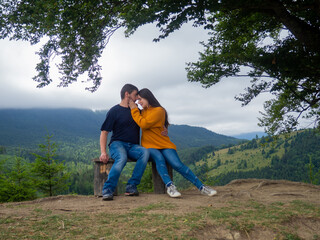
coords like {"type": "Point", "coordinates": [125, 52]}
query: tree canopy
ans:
{"type": "Point", "coordinates": [275, 43]}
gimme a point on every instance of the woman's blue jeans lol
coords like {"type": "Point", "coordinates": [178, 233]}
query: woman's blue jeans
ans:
{"type": "Point", "coordinates": [120, 152]}
{"type": "Point", "coordinates": [161, 156]}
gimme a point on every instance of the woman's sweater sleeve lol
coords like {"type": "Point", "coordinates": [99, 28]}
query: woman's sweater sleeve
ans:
{"type": "Point", "coordinates": [154, 118]}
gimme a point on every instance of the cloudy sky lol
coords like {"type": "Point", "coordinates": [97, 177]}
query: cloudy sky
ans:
{"type": "Point", "coordinates": [138, 60]}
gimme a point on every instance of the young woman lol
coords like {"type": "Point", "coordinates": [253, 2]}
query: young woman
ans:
{"type": "Point", "coordinates": [152, 120]}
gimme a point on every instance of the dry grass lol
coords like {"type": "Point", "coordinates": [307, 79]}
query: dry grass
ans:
{"type": "Point", "coordinates": [248, 209]}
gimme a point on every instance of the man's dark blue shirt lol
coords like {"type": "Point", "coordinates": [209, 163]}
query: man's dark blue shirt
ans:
{"type": "Point", "coordinates": [119, 121]}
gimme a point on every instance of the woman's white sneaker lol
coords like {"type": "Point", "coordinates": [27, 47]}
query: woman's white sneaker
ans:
{"type": "Point", "coordinates": [208, 191]}
{"type": "Point", "coordinates": [172, 191]}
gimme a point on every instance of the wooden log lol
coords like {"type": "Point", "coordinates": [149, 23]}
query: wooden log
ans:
{"type": "Point", "coordinates": [100, 175]}
{"type": "Point", "coordinates": [101, 172]}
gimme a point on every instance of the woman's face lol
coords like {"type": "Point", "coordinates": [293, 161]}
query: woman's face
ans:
{"type": "Point", "coordinates": [143, 102]}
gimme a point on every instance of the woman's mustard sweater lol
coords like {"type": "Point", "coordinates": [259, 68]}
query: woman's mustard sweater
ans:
{"type": "Point", "coordinates": [151, 122]}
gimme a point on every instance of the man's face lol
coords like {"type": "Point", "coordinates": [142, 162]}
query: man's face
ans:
{"type": "Point", "coordinates": [134, 95]}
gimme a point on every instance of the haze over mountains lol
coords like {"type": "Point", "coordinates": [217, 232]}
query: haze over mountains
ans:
{"type": "Point", "coordinates": [28, 127]}
{"type": "Point", "coordinates": [250, 135]}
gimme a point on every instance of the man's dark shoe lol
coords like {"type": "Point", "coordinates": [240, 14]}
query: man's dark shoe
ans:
{"type": "Point", "coordinates": [107, 195]}
{"type": "Point", "coordinates": [131, 190]}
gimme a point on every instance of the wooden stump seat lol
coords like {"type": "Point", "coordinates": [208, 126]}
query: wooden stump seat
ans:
{"type": "Point", "coordinates": [101, 172]}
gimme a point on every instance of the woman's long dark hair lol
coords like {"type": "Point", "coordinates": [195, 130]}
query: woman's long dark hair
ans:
{"type": "Point", "coordinates": [147, 94]}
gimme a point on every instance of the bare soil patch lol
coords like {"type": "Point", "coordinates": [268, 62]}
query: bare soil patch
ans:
{"type": "Point", "coordinates": [257, 191]}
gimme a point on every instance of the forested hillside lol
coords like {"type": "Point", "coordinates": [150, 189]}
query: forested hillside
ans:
{"type": "Point", "coordinates": [185, 136]}
{"type": "Point", "coordinates": [76, 132]}
{"type": "Point", "coordinates": [27, 127]}
{"type": "Point", "coordinates": [295, 157]}
{"type": "Point", "coordinates": [214, 158]}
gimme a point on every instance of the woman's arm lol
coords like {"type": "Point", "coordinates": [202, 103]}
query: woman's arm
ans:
{"type": "Point", "coordinates": [155, 118]}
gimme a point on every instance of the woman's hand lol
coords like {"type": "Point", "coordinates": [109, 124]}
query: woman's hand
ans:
{"type": "Point", "coordinates": [132, 105]}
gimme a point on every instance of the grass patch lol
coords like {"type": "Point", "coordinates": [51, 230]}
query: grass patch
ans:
{"type": "Point", "coordinates": [246, 216]}
{"type": "Point", "coordinates": [156, 206]}
{"type": "Point", "coordinates": [149, 222]}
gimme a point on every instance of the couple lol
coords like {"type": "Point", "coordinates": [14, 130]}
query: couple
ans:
{"type": "Point", "coordinates": [124, 121]}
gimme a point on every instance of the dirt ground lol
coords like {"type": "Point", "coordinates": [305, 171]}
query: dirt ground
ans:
{"type": "Point", "coordinates": [262, 191]}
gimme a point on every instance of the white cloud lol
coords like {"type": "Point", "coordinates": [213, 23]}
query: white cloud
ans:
{"type": "Point", "coordinates": [138, 60]}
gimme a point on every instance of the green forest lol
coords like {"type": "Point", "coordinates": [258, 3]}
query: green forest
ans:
{"type": "Point", "coordinates": [295, 157]}
{"type": "Point", "coordinates": [216, 161]}
{"type": "Point", "coordinates": [74, 139]}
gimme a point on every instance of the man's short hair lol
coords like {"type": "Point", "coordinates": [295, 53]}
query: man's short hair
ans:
{"type": "Point", "coordinates": [127, 88]}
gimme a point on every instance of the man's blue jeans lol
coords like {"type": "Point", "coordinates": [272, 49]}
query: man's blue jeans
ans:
{"type": "Point", "coordinates": [161, 156]}
{"type": "Point", "coordinates": [120, 152]}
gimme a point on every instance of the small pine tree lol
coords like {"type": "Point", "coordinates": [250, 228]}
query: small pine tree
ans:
{"type": "Point", "coordinates": [314, 177]}
{"type": "Point", "coordinates": [49, 173]}
{"type": "Point", "coordinates": [20, 185]}
{"type": "Point", "coordinates": [3, 184]}
{"type": "Point", "coordinates": [16, 184]}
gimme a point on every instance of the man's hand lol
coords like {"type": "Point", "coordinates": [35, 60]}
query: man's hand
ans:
{"type": "Point", "coordinates": [165, 131]}
{"type": "Point", "coordinates": [104, 157]}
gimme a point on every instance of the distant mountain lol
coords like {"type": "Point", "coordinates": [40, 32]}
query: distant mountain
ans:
{"type": "Point", "coordinates": [28, 127]}
{"type": "Point", "coordinates": [250, 135]}
{"type": "Point", "coordinates": [186, 137]}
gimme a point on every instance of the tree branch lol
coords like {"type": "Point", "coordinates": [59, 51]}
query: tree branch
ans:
{"type": "Point", "coordinates": [305, 33]}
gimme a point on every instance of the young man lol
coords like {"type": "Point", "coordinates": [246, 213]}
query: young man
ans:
{"type": "Point", "coordinates": [124, 144]}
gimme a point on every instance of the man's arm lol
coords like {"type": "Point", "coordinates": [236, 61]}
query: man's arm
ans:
{"type": "Point", "coordinates": [103, 146]}
{"type": "Point", "coordinates": [165, 131]}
